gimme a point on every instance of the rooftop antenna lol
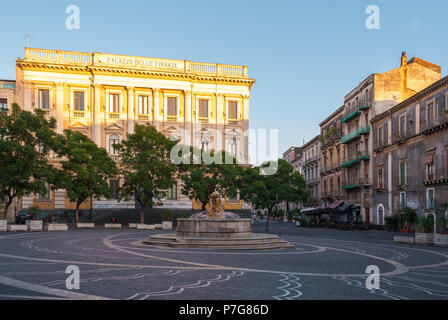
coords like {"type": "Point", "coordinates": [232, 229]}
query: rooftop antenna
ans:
{"type": "Point", "coordinates": [28, 40]}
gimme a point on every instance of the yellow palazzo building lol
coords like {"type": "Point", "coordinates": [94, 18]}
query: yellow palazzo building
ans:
{"type": "Point", "coordinates": [105, 95]}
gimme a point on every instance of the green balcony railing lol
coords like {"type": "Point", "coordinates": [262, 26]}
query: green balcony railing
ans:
{"type": "Point", "coordinates": [350, 116]}
{"type": "Point", "coordinates": [355, 134]}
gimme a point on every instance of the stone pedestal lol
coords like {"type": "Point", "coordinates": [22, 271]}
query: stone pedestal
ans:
{"type": "Point", "coordinates": [112, 226]}
{"type": "Point", "coordinates": [145, 227]}
{"type": "Point", "coordinates": [424, 238]}
{"type": "Point", "coordinates": [17, 227]}
{"type": "Point", "coordinates": [56, 227]}
{"type": "Point", "coordinates": [34, 225]}
{"type": "Point", "coordinates": [3, 225]}
{"type": "Point", "coordinates": [85, 225]}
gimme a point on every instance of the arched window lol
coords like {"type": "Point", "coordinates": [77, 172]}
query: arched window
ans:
{"type": "Point", "coordinates": [113, 139]}
{"type": "Point", "coordinates": [233, 147]}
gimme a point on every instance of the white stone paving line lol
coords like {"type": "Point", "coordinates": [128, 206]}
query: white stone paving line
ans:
{"type": "Point", "coordinates": [49, 291]}
{"type": "Point", "coordinates": [290, 289]}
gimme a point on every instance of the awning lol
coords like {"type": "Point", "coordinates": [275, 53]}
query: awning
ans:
{"type": "Point", "coordinates": [344, 207]}
{"type": "Point", "coordinates": [308, 209]}
{"type": "Point", "coordinates": [334, 205]}
{"type": "Point", "coordinates": [311, 211]}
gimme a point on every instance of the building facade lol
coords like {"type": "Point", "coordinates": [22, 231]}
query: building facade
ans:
{"type": "Point", "coordinates": [104, 96]}
{"type": "Point", "coordinates": [311, 170]}
{"type": "Point", "coordinates": [376, 94]}
{"type": "Point", "coordinates": [410, 159]}
{"type": "Point", "coordinates": [331, 159]}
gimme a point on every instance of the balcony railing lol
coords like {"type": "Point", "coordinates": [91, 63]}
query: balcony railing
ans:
{"type": "Point", "coordinates": [87, 59]}
{"type": "Point", "coordinates": [353, 112]}
{"type": "Point", "coordinates": [355, 183]}
{"type": "Point", "coordinates": [355, 158]}
{"type": "Point", "coordinates": [435, 125]}
{"type": "Point", "coordinates": [355, 134]}
{"type": "Point", "coordinates": [143, 117]}
{"type": "Point", "coordinates": [79, 114]}
{"type": "Point", "coordinates": [114, 115]}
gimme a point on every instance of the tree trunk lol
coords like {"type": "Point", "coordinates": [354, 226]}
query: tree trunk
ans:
{"type": "Point", "coordinates": [91, 209]}
{"type": "Point", "coordinates": [267, 219]}
{"type": "Point", "coordinates": [142, 214]}
{"type": "Point", "coordinates": [77, 213]}
{"type": "Point", "coordinates": [5, 211]}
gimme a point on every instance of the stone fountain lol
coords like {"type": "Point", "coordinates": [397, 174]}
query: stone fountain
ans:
{"type": "Point", "coordinates": [217, 229]}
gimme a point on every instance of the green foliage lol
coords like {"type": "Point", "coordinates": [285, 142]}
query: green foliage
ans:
{"type": "Point", "coordinates": [167, 215]}
{"type": "Point", "coordinates": [442, 224]}
{"type": "Point", "coordinates": [26, 140]}
{"type": "Point", "coordinates": [392, 222]}
{"type": "Point", "coordinates": [185, 215]}
{"type": "Point", "coordinates": [409, 216]}
{"type": "Point", "coordinates": [146, 167]}
{"type": "Point", "coordinates": [33, 211]}
{"type": "Point", "coordinates": [425, 225]}
{"type": "Point", "coordinates": [267, 191]}
{"type": "Point", "coordinates": [201, 179]}
{"type": "Point", "coordinates": [86, 168]}
{"type": "Point", "coordinates": [331, 132]}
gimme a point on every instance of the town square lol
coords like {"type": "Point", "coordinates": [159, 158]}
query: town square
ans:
{"type": "Point", "coordinates": [217, 151]}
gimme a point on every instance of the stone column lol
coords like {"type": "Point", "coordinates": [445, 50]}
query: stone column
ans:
{"type": "Point", "coordinates": [156, 106]}
{"type": "Point", "coordinates": [131, 110]}
{"type": "Point", "coordinates": [220, 122]}
{"type": "Point", "coordinates": [188, 118]}
{"type": "Point", "coordinates": [389, 183]}
{"type": "Point", "coordinates": [245, 114]}
{"type": "Point", "coordinates": [27, 96]}
{"type": "Point", "coordinates": [97, 115]}
{"type": "Point", "coordinates": [60, 108]}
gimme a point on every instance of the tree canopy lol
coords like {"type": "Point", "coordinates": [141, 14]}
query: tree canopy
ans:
{"type": "Point", "coordinates": [86, 169]}
{"type": "Point", "coordinates": [146, 167]}
{"type": "Point", "coordinates": [200, 178]}
{"type": "Point", "coordinates": [26, 140]}
{"type": "Point", "coordinates": [265, 191]}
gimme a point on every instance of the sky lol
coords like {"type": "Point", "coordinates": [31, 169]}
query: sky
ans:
{"type": "Point", "coordinates": [304, 55]}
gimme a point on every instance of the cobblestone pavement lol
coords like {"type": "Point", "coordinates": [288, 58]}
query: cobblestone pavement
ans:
{"type": "Point", "coordinates": [114, 264]}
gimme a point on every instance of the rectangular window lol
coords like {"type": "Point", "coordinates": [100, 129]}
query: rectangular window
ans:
{"type": "Point", "coordinates": [3, 105]}
{"type": "Point", "coordinates": [143, 107]}
{"type": "Point", "coordinates": [45, 195]}
{"type": "Point", "coordinates": [114, 186]}
{"type": "Point", "coordinates": [172, 106]}
{"type": "Point", "coordinates": [429, 163]}
{"type": "Point", "coordinates": [380, 136]}
{"type": "Point", "coordinates": [172, 192]}
{"type": "Point", "coordinates": [114, 103]}
{"type": "Point", "coordinates": [78, 97]}
{"type": "Point", "coordinates": [430, 199]}
{"type": "Point", "coordinates": [402, 128]}
{"type": "Point", "coordinates": [44, 98]}
{"type": "Point", "coordinates": [380, 179]}
{"type": "Point", "coordinates": [203, 108]}
{"type": "Point", "coordinates": [430, 112]}
{"type": "Point", "coordinates": [402, 173]}
{"type": "Point", "coordinates": [402, 199]}
{"type": "Point", "coordinates": [233, 110]}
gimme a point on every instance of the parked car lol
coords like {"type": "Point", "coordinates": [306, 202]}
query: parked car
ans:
{"type": "Point", "coordinates": [22, 217]}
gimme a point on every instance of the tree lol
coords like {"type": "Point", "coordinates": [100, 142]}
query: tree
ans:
{"type": "Point", "coordinates": [146, 167]}
{"type": "Point", "coordinates": [265, 191]}
{"type": "Point", "coordinates": [86, 169]}
{"type": "Point", "coordinates": [201, 178]}
{"type": "Point", "coordinates": [26, 140]}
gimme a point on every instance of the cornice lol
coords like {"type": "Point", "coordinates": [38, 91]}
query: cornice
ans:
{"type": "Point", "coordinates": [132, 72]}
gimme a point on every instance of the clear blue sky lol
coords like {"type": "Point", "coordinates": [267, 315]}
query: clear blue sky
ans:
{"type": "Point", "coordinates": [304, 55]}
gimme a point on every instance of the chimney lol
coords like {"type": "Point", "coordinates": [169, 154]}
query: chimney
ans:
{"type": "Point", "coordinates": [404, 59]}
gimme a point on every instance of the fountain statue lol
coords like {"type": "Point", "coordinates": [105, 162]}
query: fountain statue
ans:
{"type": "Point", "coordinates": [216, 229]}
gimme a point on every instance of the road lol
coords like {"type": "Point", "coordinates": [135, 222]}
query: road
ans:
{"type": "Point", "coordinates": [114, 264]}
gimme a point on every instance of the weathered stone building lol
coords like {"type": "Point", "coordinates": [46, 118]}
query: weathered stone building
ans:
{"type": "Point", "coordinates": [410, 160]}
{"type": "Point", "coordinates": [376, 94]}
{"type": "Point", "coordinates": [311, 170]}
{"type": "Point", "coordinates": [294, 157]}
{"type": "Point", "coordinates": [104, 96]}
{"type": "Point", "coordinates": [331, 158]}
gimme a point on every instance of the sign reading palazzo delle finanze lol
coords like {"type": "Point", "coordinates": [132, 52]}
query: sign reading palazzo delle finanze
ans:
{"type": "Point", "coordinates": [137, 62]}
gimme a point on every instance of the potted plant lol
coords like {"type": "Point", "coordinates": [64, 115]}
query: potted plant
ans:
{"type": "Point", "coordinates": [167, 220]}
{"type": "Point", "coordinates": [425, 232]}
{"type": "Point", "coordinates": [441, 237]}
{"type": "Point", "coordinates": [409, 218]}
